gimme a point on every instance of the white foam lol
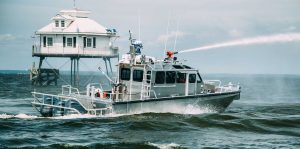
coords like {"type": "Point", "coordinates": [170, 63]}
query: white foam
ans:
{"type": "Point", "coordinates": [74, 116]}
{"type": "Point", "coordinates": [194, 109]}
{"type": "Point", "coordinates": [21, 116]}
{"type": "Point", "coordinates": [165, 146]}
{"type": "Point", "coordinates": [6, 116]}
{"type": "Point", "coordinates": [279, 38]}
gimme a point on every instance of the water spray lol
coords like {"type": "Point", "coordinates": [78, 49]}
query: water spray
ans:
{"type": "Point", "coordinates": [279, 38]}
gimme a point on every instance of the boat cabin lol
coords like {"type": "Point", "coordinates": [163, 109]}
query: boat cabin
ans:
{"type": "Point", "coordinates": [146, 78]}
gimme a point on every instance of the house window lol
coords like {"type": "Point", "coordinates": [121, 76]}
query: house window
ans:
{"type": "Point", "coordinates": [160, 77]}
{"type": "Point", "coordinates": [56, 23]}
{"type": "Point", "coordinates": [49, 41]}
{"type": "Point", "coordinates": [62, 23]}
{"type": "Point", "coordinates": [170, 76]}
{"type": "Point", "coordinates": [64, 41]}
{"type": "Point", "coordinates": [94, 42]}
{"type": "Point", "coordinates": [89, 42]}
{"type": "Point", "coordinates": [74, 42]}
{"type": "Point", "coordinates": [69, 42]}
{"type": "Point", "coordinates": [125, 74]}
{"type": "Point", "coordinates": [44, 41]}
{"type": "Point", "coordinates": [138, 75]}
{"type": "Point", "coordinates": [84, 42]}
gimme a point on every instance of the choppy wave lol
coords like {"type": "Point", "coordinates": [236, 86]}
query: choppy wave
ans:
{"type": "Point", "coordinates": [266, 116]}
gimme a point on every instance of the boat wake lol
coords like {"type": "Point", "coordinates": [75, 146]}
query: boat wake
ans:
{"type": "Point", "coordinates": [20, 116]}
{"type": "Point", "coordinates": [190, 109]}
{"type": "Point", "coordinates": [165, 146]}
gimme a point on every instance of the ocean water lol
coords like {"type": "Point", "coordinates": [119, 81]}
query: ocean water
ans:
{"type": "Point", "coordinates": [266, 116]}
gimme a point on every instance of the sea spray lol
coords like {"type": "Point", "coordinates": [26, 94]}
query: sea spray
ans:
{"type": "Point", "coordinates": [279, 38]}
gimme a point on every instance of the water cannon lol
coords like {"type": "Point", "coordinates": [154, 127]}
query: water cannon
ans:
{"type": "Point", "coordinates": [170, 54]}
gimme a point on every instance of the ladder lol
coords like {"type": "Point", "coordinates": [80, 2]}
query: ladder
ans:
{"type": "Point", "coordinates": [146, 84]}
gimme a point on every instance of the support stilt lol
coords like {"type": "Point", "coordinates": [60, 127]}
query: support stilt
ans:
{"type": "Point", "coordinates": [111, 71]}
{"type": "Point", "coordinates": [74, 71]}
{"type": "Point", "coordinates": [105, 65]}
{"type": "Point", "coordinates": [71, 77]}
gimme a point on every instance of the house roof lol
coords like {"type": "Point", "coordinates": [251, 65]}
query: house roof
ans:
{"type": "Point", "coordinates": [79, 24]}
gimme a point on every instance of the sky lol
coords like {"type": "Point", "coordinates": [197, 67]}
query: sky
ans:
{"type": "Point", "coordinates": [196, 23]}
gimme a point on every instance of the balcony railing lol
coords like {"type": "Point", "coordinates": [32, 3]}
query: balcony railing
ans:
{"type": "Point", "coordinates": [59, 51]}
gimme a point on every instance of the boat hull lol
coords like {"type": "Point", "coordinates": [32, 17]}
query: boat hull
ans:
{"type": "Point", "coordinates": [217, 102]}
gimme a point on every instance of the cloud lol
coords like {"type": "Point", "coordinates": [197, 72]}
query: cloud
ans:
{"type": "Point", "coordinates": [7, 37]}
{"type": "Point", "coordinates": [171, 36]}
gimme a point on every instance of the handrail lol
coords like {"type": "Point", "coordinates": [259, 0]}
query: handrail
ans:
{"type": "Point", "coordinates": [70, 88]}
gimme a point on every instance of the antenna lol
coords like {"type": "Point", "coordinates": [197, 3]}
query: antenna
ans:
{"type": "Point", "coordinates": [175, 42]}
{"type": "Point", "coordinates": [167, 36]}
{"type": "Point", "coordinates": [139, 21]}
{"type": "Point", "coordinates": [74, 4]}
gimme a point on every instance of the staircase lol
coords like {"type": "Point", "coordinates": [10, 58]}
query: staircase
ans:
{"type": "Point", "coordinates": [146, 84]}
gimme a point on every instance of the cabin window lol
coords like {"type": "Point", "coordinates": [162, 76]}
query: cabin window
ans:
{"type": "Point", "coordinates": [170, 76]}
{"type": "Point", "coordinates": [181, 77]}
{"type": "Point", "coordinates": [69, 42]}
{"type": "Point", "coordinates": [125, 74]}
{"type": "Point", "coordinates": [49, 41]}
{"type": "Point", "coordinates": [56, 23]}
{"type": "Point", "coordinates": [62, 23]}
{"type": "Point", "coordinates": [94, 42]}
{"type": "Point", "coordinates": [138, 75]}
{"type": "Point", "coordinates": [160, 77]}
{"type": "Point", "coordinates": [74, 42]}
{"type": "Point", "coordinates": [148, 76]}
{"type": "Point", "coordinates": [44, 41]}
{"type": "Point", "coordinates": [192, 78]}
{"type": "Point", "coordinates": [187, 67]}
{"type": "Point", "coordinates": [199, 79]}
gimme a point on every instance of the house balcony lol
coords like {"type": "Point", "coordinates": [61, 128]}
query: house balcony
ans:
{"type": "Point", "coordinates": [79, 51]}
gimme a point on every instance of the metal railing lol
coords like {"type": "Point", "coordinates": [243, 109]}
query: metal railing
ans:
{"type": "Point", "coordinates": [39, 99]}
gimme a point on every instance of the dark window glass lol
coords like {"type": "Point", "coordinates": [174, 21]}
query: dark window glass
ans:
{"type": "Point", "coordinates": [160, 77]}
{"type": "Point", "coordinates": [56, 23]}
{"type": "Point", "coordinates": [44, 41]}
{"type": "Point", "coordinates": [49, 41]}
{"type": "Point", "coordinates": [94, 42]}
{"type": "Point", "coordinates": [125, 74]}
{"type": "Point", "coordinates": [199, 79]}
{"type": "Point", "coordinates": [177, 67]}
{"type": "Point", "coordinates": [74, 42]}
{"type": "Point", "coordinates": [192, 78]}
{"type": "Point", "coordinates": [69, 42]}
{"type": "Point", "coordinates": [138, 75]}
{"type": "Point", "coordinates": [62, 23]}
{"type": "Point", "coordinates": [89, 42]}
{"type": "Point", "coordinates": [64, 41]}
{"type": "Point", "coordinates": [170, 76]}
{"type": "Point", "coordinates": [148, 76]}
{"type": "Point", "coordinates": [84, 42]}
{"type": "Point", "coordinates": [181, 77]}
{"type": "Point", "coordinates": [187, 67]}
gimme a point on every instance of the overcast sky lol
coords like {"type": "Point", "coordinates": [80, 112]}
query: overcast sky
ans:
{"type": "Point", "coordinates": [201, 23]}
